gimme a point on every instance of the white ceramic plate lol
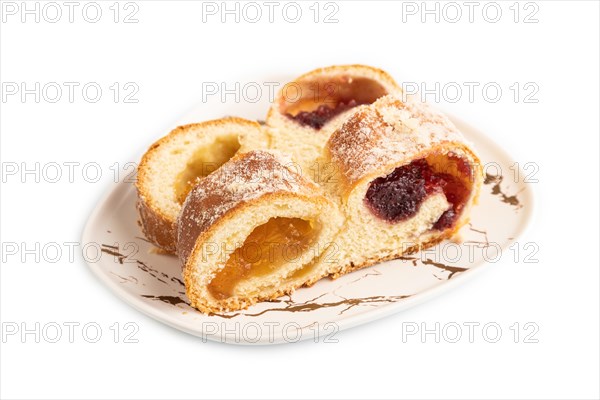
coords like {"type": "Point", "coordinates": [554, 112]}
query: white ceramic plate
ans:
{"type": "Point", "coordinates": [151, 282]}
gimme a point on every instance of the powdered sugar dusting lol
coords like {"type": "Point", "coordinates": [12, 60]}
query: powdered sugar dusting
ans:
{"type": "Point", "coordinates": [388, 131]}
{"type": "Point", "coordinates": [241, 179]}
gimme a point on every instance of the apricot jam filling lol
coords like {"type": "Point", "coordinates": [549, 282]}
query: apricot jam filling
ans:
{"type": "Point", "coordinates": [204, 161]}
{"type": "Point", "coordinates": [399, 195]}
{"type": "Point", "coordinates": [267, 248]}
{"type": "Point", "coordinates": [314, 103]}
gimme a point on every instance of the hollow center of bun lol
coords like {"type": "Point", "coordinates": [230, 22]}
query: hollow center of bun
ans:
{"type": "Point", "coordinates": [205, 160]}
{"type": "Point", "coordinates": [314, 102]}
{"type": "Point", "coordinates": [270, 246]}
{"type": "Point", "coordinates": [399, 195]}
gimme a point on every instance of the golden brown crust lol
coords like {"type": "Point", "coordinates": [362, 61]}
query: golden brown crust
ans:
{"type": "Point", "coordinates": [349, 69]}
{"type": "Point", "coordinates": [157, 229]}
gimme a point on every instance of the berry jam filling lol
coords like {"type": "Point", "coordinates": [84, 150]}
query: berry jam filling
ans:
{"type": "Point", "coordinates": [399, 195]}
{"type": "Point", "coordinates": [314, 101]}
{"type": "Point", "coordinates": [318, 118]}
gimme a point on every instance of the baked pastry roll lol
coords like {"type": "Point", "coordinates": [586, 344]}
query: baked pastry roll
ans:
{"type": "Point", "coordinates": [251, 231]}
{"type": "Point", "coordinates": [308, 109]}
{"type": "Point", "coordinates": [175, 163]}
{"type": "Point", "coordinates": [404, 177]}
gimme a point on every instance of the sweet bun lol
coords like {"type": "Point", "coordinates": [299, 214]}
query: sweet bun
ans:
{"type": "Point", "coordinates": [252, 231]}
{"type": "Point", "coordinates": [175, 163]}
{"type": "Point", "coordinates": [404, 178]}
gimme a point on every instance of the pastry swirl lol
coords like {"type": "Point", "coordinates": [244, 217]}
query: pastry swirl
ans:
{"type": "Point", "coordinates": [252, 231]}
{"type": "Point", "coordinates": [404, 178]}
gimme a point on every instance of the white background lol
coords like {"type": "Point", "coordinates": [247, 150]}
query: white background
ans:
{"type": "Point", "coordinates": [169, 54]}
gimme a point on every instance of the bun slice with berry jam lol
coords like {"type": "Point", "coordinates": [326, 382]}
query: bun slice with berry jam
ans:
{"type": "Point", "coordinates": [404, 177]}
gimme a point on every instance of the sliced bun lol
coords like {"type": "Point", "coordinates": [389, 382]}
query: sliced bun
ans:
{"type": "Point", "coordinates": [404, 178]}
{"type": "Point", "coordinates": [253, 231]}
